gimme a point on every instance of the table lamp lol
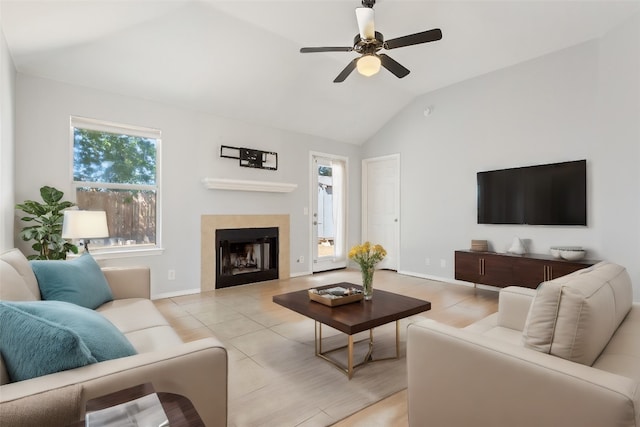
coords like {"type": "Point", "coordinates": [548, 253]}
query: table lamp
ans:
{"type": "Point", "coordinates": [84, 225]}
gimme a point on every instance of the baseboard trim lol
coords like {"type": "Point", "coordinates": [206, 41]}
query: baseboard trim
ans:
{"type": "Point", "coordinates": [448, 280]}
{"type": "Point", "coordinates": [304, 273]}
{"type": "Point", "coordinates": [429, 277]}
{"type": "Point", "coordinates": [175, 294]}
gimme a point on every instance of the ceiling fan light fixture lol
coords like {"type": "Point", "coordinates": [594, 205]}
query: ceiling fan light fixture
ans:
{"type": "Point", "coordinates": [368, 65]}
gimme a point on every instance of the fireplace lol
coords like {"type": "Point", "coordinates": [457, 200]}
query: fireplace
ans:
{"type": "Point", "coordinates": [208, 256]}
{"type": "Point", "coordinates": [246, 255]}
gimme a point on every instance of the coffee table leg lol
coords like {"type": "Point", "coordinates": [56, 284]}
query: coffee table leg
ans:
{"type": "Point", "coordinates": [350, 357]}
{"type": "Point", "coordinates": [351, 366]}
{"type": "Point", "coordinates": [318, 338]}
{"type": "Point", "coordinates": [397, 339]}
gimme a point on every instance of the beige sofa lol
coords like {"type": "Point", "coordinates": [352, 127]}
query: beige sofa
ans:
{"type": "Point", "coordinates": [566, 354]}
{"type": "Point", "coordinates": [197, 370]}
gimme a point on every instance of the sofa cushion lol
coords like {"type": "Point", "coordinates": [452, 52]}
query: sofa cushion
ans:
{"type": "Point", "coordinates": [575, 316]}
{"type": "Point", "coordinates": [42, 337]}
{"type": "Point", "coordinates": [132, 314]}
{"type": "Point", "coordinates": [158, 338]}
{"type": "Point", "coordinates": [79, 281]}
{"type": "Point", "coordinates": [18, 280]}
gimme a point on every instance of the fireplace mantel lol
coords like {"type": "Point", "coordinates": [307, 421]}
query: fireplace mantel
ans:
{"type": "Point", "coordinates": [245, 185]}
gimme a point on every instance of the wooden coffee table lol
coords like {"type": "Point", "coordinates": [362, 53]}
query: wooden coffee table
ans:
{"type": "Point", "coordinates": [385, 307]}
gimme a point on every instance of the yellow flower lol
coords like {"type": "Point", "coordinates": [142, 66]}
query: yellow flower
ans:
{"type": "Point", "coordinates": [367, 255]}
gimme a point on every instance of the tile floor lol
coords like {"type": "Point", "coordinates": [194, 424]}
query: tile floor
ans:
{"type": "Point", "coordinates": [246, 320]}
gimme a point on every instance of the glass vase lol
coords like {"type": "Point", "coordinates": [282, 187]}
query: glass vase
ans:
{"type": "Point", "coordinates": [367, 282]}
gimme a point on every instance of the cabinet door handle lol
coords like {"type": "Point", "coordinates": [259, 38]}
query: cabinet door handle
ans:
{"type": "Point", "coordinates": [481, 266]}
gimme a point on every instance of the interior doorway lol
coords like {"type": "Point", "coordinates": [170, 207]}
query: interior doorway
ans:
{"type": "Point", "coordinates": [381, 206]}
{"type": "Point", "coordinates": [328, 207]}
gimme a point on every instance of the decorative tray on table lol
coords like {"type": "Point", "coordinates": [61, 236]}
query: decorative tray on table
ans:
{"type": "Point", "coordinates": [335, 296]}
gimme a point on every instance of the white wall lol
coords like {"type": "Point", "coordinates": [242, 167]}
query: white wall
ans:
{"type": "Point", "coordinates": [580, 103]}
{"type": "Point", "coordinates": [7, 115]}
{"type": "Point", "coordinates": [190, 151]}
{"type": "Point", "coordinates": [619, 147]}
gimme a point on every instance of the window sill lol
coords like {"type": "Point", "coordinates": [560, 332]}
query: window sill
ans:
{"type": "Point", "coordinates": [119, 252]}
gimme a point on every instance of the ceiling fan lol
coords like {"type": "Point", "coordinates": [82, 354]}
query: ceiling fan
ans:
{"type": "Point", "coordinates": [368, 42]}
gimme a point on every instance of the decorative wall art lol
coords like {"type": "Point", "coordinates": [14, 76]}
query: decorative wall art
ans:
{"type": "Point", "coordinates": [250, 158]}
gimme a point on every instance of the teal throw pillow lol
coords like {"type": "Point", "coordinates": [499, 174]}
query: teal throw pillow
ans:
{"type": "Point", "coordinates": [32, 347]}
{"type": "Point", "coordinates": [42, 337]}
{"type": "Point", "coordinates": [79, 281]}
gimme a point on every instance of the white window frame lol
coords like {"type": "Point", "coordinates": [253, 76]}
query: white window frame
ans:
{"type": "Point", "coordinates": [118, 128]}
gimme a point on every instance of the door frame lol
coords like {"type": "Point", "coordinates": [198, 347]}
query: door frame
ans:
{"type": "Point", "coordinates": [365, 188]}
{"type": "Point", "coordinates": [341, 263]}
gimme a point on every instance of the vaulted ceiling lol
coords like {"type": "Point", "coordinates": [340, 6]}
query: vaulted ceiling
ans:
{"type": "Point", "coordinates": [240, 59]}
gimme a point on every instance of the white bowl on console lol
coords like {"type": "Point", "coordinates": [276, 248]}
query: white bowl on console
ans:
{"type": "Point", "coordinates": [572, 254]}
{"type": "Point", "coordinates": [556, 251]}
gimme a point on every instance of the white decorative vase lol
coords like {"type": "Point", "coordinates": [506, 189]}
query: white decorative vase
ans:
{"type": "Point", "coordinates": [517, 247]}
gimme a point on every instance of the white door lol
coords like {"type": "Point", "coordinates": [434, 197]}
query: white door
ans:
{"type": "Point", "coordinates": [328, 207]}
{"type": "Point", "coordinates": [381, 206]}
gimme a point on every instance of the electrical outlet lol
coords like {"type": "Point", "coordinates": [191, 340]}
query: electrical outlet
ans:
{"type": "Point", "coordinates": [171, 275]}
{"type": "Point", "coordinates": [443, 263]}
{"type": "Point", "coordinates": [427, 261]}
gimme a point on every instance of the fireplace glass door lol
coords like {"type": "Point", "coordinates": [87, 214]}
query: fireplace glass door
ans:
{"type": "Point", "coordinates": [246, 255]}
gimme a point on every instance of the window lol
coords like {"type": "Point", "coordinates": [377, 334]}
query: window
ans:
{"type": "Point", "coordinates": [115, 169]}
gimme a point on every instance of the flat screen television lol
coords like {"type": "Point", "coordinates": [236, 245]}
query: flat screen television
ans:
{"type": "Point", "coordinates": [552, 194]}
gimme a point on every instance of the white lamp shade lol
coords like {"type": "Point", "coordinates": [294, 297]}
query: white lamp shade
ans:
{"type": "Point", "coordinates": [368, 65]}
{"type": "Point", "coordinates": [84, 224]}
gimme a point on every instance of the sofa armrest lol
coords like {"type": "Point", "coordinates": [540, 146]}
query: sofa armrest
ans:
{"type": "Point", "coordinates": [459, 378]}
{"type": "Point", "coordinates": [129, 282]}
{"type": "Point", "coordinates": [58, 407]}
{"type": "Point", "coordinates": [197, 370]}
{"type": "Point", "coordinates": [513, 306]}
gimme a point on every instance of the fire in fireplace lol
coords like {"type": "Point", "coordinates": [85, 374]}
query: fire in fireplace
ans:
{"type": "Point", "coordinates": [246, 255]}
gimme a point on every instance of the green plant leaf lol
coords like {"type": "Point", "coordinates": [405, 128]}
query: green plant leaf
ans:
{"type": "Point", "coordinates": [51, 195]}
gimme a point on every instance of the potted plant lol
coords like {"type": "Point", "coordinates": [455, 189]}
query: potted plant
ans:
{"type": "Point", "coordinates": [47, 225]}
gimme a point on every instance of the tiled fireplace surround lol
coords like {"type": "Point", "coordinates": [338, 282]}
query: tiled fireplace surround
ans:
{"type": "Point", "coordinates": [210, 223]}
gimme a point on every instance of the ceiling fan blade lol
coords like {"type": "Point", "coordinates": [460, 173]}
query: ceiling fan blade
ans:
{"type": "Point", "coordinates": [347, 70]}
{"type": "Point", "coordinates": [392, 65]}
{"type": "Point", "coordinates": [365, 15]}
{"type": "Point", "coordinates": [326, 49]}
{"type": "Point", "coordinates": [417, 38]}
